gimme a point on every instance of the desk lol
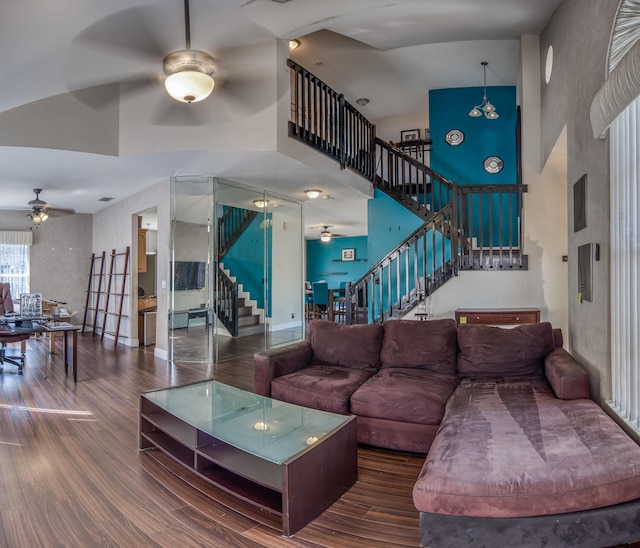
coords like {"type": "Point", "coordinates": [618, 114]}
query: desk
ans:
{"type": "Point", "coordinates": [70, 352]}
{"type": "Point", "coordinates": [42, 326]}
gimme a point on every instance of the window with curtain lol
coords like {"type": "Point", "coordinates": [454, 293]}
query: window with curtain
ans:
{"type": "Point", "coordinates": [616, 107]}
{"type": "Point", "coordinates": [14, 260]}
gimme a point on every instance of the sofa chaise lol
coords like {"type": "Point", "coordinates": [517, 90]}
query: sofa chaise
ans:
{"type": "Point", "coordinates": [518, 455]}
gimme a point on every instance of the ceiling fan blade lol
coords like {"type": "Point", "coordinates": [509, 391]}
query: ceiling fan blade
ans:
{"type": "Point", "coordinates": [133, 31]}
{"type": "Point", "coordinates": [60, 211]}
{"type": "Point", "coordinates": [102, 96]}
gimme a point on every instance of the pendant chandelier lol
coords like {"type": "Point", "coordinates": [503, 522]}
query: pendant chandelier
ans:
{"type": "Point", "coordinates": [485, 107]}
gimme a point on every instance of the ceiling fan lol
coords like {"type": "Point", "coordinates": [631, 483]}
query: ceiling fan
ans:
{"type": "Point", "coordinates": [137, 38]}
{"type": "Point", "coordinates": [325, 233]}
{"type": "Point", "coordinates": [41, 210]}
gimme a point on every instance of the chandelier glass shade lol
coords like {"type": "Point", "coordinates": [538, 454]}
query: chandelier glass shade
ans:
{"type": "Point", "coordinates": [486, 107]}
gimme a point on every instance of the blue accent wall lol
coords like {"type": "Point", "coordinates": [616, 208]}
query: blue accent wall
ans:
{"type": "Point", "coordinates": [324, 260]}
{"type": "Point", "coordinates": [464, 163]}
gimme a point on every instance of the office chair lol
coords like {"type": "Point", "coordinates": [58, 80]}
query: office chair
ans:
{"type": "Point", "coordinates": [6, 307]}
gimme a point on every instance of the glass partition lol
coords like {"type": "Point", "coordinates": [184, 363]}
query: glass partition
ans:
{"type": "Point", "coordinates": [236, 279]}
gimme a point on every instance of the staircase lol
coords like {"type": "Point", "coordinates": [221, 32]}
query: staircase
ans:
{"type": "Point", "coordinates": [465, 227]}
{"type": "Point", "coordinates": [233, 305]}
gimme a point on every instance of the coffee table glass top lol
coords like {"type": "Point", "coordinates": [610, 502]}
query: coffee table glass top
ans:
{"type": "Point", "coordinates": [270, 429]}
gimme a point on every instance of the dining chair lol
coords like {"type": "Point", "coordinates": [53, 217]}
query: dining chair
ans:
{"type": "Point", "coordinates": [320, 299]}
{"type": "Point", "coordinates": [308, 300]}
{"type": "Point", "coordinates": [340, 303]}
{"type": "Point", "coordinates": [6, 337]}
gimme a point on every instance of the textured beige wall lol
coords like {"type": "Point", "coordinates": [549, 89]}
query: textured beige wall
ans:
{"type": "Point", "coordinates": [60, 256]}
{"type": "Point", "coordinates": [579, 32]}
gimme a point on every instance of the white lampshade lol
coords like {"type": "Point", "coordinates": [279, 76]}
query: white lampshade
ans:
{"type": "Point", "coordinates": [475, 112]}
{"type": "Point", "coordinates": [325, 236]}
{"type": "Point", "coordinates": [189, 86]}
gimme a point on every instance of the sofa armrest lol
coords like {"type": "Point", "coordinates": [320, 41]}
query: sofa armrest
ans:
{"type": "Point", "coordinates": [567, 377]}
{"type": "Point", "coordinates": [276, 362]}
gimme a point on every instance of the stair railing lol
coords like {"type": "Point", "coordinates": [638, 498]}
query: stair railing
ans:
{"type": "Point", "coordinates": [409, 181]}
{"type": "Point", "coordinates": [324, 120]}
{"type": "Point", "coordinates": [226, 302]}
{"type": "Point", "coordinates": [231, 225]}
{"type": "Point", "coordinates": [411, 272]}
{"type": "Point", "coordinates": [481, 225]}
{"type": "Point", "coordinates": [490, 218]}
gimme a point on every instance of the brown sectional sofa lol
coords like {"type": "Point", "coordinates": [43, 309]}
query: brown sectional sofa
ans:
{"type": "Point", "coordinates": [518, 455]}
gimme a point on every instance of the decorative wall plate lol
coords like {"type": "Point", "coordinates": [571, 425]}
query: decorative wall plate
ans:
{"type": "Point", "coordinates": [454, 137]}
{"type": "Point", "coordinates": [493, 164]}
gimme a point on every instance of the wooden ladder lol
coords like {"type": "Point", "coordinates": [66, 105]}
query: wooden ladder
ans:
{"type": "Point", "coordinates": [113, 291]}
{"type": "Point", "coordinates": [96, 272]}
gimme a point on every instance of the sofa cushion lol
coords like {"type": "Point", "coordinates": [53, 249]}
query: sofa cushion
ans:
{"type": "Point", "coordinates": [569, 380]}
{"type": "Point", "coordinates": [325, 387]}
{"type": "Point", "coordinates": [487, 351]}
{"type": "Point", "coordinates": [509, 448]}
{"type": "Point", "coordinates": [355, 346]}
{"type": "Point", "coordinates": [404, 394]}
{"type": "Point", "coordinates": [428, 345]}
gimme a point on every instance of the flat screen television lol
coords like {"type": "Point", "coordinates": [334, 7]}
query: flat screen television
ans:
{"type": "Point", "coordinates": [190, 275]}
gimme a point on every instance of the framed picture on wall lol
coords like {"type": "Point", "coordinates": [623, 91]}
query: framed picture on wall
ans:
{"type": "Point", "coordinates": [410, 135]}
{"type": "Point", "coordinates": [348, 254]}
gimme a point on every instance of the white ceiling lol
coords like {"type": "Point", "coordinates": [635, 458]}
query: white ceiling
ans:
{"type": "Point", "coordinates": [389, 52]}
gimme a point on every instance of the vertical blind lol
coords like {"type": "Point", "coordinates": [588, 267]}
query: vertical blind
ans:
{"type": "Point", "coordinates": [14, 268]}
{"type": "Point", "coordinates": [625, 263]}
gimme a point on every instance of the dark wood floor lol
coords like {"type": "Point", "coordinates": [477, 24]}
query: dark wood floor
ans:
{"type": "Point", "coordinates": [71, 473]}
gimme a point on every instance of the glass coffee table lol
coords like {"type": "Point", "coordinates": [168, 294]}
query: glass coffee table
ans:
{"type": "Point", "coordinates": [288, 459]}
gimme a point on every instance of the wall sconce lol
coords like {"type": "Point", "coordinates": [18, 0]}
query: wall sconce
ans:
{"type": "Point", "coordinates": [293, 44]}
{"type": "Point", "coordinates": [485, 107]}
{"type": "Point", "coordinates": [313, 193]}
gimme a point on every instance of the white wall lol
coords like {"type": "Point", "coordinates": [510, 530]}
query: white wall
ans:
{"type": "Point", "coordinates": [579, 32]}
{"type": "Point", "coordinates": [482, 289]}
{"type": "Point", "coordinates": [287, 270]}
{"type": "Point", "coordinates": [115, 227]}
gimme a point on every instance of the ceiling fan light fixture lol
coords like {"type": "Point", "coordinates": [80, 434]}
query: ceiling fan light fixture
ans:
{"type": "Point", "coordinates": [261, 203]}
{"type": "Point", "coordinates": [189, 86]}
{"type": "Point", "coordinates": [325, 235]}
{"type": "Point", "coordinates": [189, 75]}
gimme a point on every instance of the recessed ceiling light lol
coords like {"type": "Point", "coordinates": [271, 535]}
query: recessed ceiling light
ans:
{"type": "Point", "coordinates": [363, 101]}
